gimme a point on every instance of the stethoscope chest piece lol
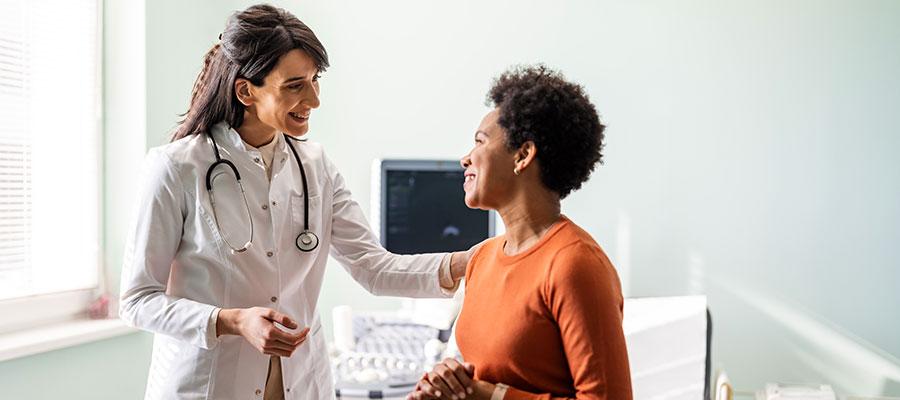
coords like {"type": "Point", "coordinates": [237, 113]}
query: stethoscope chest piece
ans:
{"type": "Point", "coordinates": [307, 241]}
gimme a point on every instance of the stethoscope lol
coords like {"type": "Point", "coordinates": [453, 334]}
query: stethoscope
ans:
{"type": "Point", "coordinates": [306, 241]}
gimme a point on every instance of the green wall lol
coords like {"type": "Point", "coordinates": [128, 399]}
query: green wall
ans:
{"type": "Point", "coordinates": [750, 156]}
{"type": "Point", "coordinates": [112, 369]}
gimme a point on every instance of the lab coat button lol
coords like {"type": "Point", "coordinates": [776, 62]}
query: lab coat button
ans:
{"type": "Point", "coordinates": [274, 299]}
{"type": "Point", "coordinates": [258, 392]}
{"type": "Point", "coordinates": [274, 204]}
{"type": "Point", "coordinates": [270, 254]}
{"type": "Point", "coordinates": [265, 206]}
{"type": "Point", "coordinates": [256, 160]}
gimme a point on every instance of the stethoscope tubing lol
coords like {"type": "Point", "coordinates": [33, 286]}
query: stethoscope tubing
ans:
{"type": "Point", "coordinates": [306, 241]}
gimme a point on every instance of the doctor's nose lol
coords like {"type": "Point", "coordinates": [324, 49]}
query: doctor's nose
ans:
{"type": "Point", "coordinates": [312, 98]}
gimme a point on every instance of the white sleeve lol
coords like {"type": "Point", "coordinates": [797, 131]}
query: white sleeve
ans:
{"type": "Point", "coordinates": [212, 335]}
{"type": "Point", "coordinates": [379, 271]}
{"type": "Point", "coordinates": [150, 249]}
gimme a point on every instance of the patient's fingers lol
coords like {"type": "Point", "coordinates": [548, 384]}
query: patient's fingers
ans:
{"type": "Point", "coordinates": [426, 390]}
{"type": "Point", "coordinates": [434, 378]}
{"type": "Point", "coordinates": [470, 368]}
{"type": "Point", "coordinates": [461, 375]}
{"type": "Point", "coordinates": [419, 395]}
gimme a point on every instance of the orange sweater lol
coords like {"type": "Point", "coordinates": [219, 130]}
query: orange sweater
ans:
{"type": "Point", "coordinates": [547, 321]}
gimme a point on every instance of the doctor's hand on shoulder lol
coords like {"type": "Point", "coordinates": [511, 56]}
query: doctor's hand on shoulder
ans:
{"type": "Point", "coordinates": [259, 327]}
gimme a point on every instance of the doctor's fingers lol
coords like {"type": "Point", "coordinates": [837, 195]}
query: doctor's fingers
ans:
{"type": "Point", "coordinates": [294, 339]}
{"type": "Point", "coordinates": [278, 349]}
{"type": "Point", "coordinates": [280, 318]}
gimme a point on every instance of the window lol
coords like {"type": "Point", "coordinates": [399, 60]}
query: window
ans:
{"type": "Point", "coordinates": [50, 159]}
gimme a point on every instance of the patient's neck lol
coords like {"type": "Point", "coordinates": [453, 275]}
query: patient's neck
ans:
{"type": "Point", "coordinates": [527, 217]}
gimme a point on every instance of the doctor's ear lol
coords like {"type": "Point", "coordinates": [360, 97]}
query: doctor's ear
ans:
{"type": "Point", "coordinates": [243, 92]}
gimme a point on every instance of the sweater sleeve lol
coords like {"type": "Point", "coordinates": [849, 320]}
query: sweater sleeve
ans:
{"type": "Point", "coordinates": [584, 295]}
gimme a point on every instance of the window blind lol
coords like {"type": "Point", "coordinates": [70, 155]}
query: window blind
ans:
{"type": "Point", "coordinates": [49, 146]}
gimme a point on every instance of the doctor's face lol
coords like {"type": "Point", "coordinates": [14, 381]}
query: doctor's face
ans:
{"type": "Point", "coordinates": [289, 94]}
{"type": "Point", "coordinates": [489, 166]}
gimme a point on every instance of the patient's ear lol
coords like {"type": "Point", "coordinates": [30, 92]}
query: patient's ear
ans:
{"type": "Point", "coordinates": [525, 156]}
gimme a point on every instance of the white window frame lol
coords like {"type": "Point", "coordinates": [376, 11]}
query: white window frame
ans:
{"type": "Point", "coordinates": [31, 312]}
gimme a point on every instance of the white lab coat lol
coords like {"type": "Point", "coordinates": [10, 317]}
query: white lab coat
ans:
{"type": "Point", "coordinates": [178, 270]}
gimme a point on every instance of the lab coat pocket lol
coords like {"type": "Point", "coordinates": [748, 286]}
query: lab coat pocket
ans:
{"type": "Point", "coordinates": [299, 223]}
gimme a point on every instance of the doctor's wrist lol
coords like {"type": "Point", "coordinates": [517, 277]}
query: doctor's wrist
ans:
{"type": "Point", "coordinates": [228, 322]}
{"type": "Point", "coordinates": [458, 262]}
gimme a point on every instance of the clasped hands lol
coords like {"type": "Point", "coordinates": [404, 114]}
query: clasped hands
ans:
{"type": "Point", "coordinates": [451, 380]}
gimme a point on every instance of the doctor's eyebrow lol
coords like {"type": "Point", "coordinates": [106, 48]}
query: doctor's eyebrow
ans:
{"type": "Point", "coordinates": [294, 79]}
{"type": "Point", "coordinates": [297, 79]}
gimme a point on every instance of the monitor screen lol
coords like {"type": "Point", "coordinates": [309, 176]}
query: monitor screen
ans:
{"type": "Point", "coordinates": [424, 210]}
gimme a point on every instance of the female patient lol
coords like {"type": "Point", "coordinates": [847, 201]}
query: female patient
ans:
{"type": "Point", "coordinates": [542, 316]}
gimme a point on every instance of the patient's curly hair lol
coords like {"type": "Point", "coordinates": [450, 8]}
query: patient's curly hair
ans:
{"type": "Point", "coordinates": [537, 104]}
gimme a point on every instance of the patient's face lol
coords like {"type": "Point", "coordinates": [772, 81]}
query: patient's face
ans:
{"type": "Point", "coordinates": [489, 166]}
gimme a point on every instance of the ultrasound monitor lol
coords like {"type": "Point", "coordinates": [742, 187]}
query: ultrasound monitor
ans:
{"type": "Point", "coordinates": [421, 207]}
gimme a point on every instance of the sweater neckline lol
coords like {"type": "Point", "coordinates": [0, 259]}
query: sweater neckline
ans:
{"type": "Point", "coordinates": [507, 259]}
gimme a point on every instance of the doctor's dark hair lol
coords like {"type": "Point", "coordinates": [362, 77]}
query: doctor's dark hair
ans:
{"type": "Point", "coordinates": [250, 47]}
{"type": "Point", "coordinates": [537, 104]}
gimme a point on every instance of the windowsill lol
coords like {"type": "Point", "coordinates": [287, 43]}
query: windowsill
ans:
{"type": "Point", "coordinates": [60, 335]}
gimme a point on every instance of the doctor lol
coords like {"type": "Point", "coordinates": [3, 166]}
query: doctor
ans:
{"type": "Point", "coordinates": [236, 219]}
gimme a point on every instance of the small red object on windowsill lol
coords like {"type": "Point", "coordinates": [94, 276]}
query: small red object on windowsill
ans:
{"type": "Point", "coordinates": [99, 309]}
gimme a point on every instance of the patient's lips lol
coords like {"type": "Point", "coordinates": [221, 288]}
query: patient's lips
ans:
{"type": "Point", "coordinates": [469, 178]}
